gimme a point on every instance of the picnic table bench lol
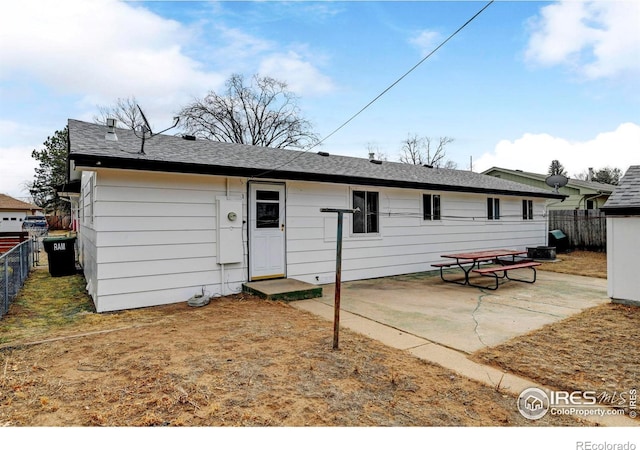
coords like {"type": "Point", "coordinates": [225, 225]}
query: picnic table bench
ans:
{"type": "Point", "coordinates": [503, 261]}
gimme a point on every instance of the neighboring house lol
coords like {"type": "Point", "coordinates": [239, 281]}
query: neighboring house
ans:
{"type": "Point", "coordinates": [580, 194]}
{"type": "Point", "coordinates": [191, 215]}
{"type": "Point", "coordinates": [13, 213]}
{"type": "Point", "coordinates": [623, 244]}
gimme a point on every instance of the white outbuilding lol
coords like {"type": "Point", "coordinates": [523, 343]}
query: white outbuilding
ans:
{"type": "Point", "coordinates": [623, 239]}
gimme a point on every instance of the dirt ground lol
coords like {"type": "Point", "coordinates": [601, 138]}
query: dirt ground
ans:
{"type": "Point", "coordinates": [242, 361]}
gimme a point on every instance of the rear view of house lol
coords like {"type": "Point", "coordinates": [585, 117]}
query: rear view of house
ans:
{"type": "Point", "coordinates": [184, 216]}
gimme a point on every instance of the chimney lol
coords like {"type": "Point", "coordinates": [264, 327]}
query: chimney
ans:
{"type": "Point", "coordinates": [590, 174]}
{"type": "Point", "coordinates": [111, 130]}
{"type": "Point", "coordinates": [372, 156]}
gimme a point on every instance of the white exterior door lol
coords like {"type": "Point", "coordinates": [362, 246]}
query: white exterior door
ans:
{"type": "Point", "coordinates": [267, 243]}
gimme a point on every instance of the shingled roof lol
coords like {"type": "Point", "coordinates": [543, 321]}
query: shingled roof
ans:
{"type": "Point", "coordinates": [626, 197]}
{"type": "Point", "coordinates": [12, 204]}
{"type": "Point", "coordinates": [88, 148]}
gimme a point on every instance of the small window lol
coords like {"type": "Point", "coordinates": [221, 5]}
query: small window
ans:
{"type": "Point", "coordinates": [431, 207]}
{"type": "Point", "coordinates": [267, 209]}
{"type": "Point", "coordinates": [527, 209]}
{"type": "Point", "coordinates": [365, 221]}
{"type": "Point", "coordinates": [590, 204]}
{"type": "Point", "coordinates": [493, 208]}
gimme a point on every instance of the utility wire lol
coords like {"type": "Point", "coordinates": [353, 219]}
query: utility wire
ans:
{"type": "Point", "coordinates": [403, 76]}
{"type": "Point", "coordinates": [391, 86]}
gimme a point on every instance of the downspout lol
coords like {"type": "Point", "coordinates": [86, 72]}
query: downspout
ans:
{"type": "Point", "coordinates": [600, 194]}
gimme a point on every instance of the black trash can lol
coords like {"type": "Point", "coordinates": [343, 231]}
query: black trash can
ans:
{"type": "Point", "coordinates": [61, 253]}
{"type": "Point", "coordinates": [559, 240]}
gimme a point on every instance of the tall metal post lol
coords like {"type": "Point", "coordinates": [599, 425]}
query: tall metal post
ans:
{"type": "Point", "coordinates": [336, 307]}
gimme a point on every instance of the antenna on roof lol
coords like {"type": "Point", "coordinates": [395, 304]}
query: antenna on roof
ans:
{"type": "Point", "coordinates": [556, 181]}
{"type": "Point", "coordinates": [146, 128]}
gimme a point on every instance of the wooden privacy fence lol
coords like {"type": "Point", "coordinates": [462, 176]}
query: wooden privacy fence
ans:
{"type": "Point", "coordinates": [585, 228]}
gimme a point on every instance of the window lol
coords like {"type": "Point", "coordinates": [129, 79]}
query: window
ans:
{"type": "Point", "coordinates": [366, 221]}
{"type": "Point", "coordinates": [267, 209]}
{"type": "Point", "coordinates": [493, 208]}
{"type": "Point", "coordinates": [430, 207]}
{"type": "Point", "coordinates": [590, 204]}
{"type": "Point", "coordinates": [527, 209]}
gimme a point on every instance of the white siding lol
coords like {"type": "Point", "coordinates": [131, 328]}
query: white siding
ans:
{"type": "Point", "coordinates": [150, 238]}
{"type": "Point", "coordinates": [156, 239]}
{"type": "Point", "coordinates": [406, 243]}
{"type": "Point", "coordinates": [623, 248]}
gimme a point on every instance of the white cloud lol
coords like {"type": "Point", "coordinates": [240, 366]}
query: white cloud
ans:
{"type": "Point", "coordinates": [13, 182]}
{"type": "Point", "coordinates": [597, 39]}
{"type": "Point", "coordinates": [534, 152]}
{"type": "Point", "coordinates": [104, 47]}
{"type": "Point", "coordinates": [301, 76]}
{"type": "Point", "coordinates": [426, 41]}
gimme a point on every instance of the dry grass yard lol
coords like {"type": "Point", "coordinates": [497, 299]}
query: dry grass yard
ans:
{"type": "Point", "coordinates": [242, 361]}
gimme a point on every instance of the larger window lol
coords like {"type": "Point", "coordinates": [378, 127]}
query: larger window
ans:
{"type": "Point", "coordinates": [365, 221]}
{"type": "Point", "coordinates": [430, 207]}
{"type": "Point", "coordinates": [493, 208]}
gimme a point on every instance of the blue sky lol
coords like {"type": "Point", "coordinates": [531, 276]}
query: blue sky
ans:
{"type": "Point", "coordinates": [524, 83]}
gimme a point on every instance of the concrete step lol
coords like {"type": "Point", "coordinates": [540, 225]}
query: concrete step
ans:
{"type": "Point", "coordinates": [286, 289]}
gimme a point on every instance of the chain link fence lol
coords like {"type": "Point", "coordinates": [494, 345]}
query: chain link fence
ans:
{"type": "Point", "coordinates": [15, 266]}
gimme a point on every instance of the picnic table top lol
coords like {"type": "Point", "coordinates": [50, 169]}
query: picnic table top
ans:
{"type": "Point", "coordinates": [484, 254]}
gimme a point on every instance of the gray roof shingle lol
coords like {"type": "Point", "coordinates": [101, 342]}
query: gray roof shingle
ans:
{"type": "Point", "coordinates": [89, 148]}
{"type": "Point", "coordinates": [626, 197]}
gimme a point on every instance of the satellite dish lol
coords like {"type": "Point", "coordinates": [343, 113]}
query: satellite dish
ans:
{"type": "Point", "coordinates": [146, 122]}
{"type": "Point", "coordinates": [556, 181]}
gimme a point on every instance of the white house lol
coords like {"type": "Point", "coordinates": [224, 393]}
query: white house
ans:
{"type": "Point", "coordinates": [161, 223]}
{"type": "Point", "coordinates": [623, 244]}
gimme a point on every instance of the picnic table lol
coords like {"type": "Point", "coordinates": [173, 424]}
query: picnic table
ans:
{"type": "Point", "coordinates": [503, 261]}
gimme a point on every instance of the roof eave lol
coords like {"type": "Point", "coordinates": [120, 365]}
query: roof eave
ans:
{"type": "Point", "coordinates": [621, 210]}
{"type": "Point", "coordinates": [96, 162]}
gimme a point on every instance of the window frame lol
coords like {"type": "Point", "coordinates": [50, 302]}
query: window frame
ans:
{"type": "Point", "coordinates": [431, 207]}
{"type": "Point", "coordinates": [527, 209]}
{"type": "Point", "coordinates": [370, 220]}
{"type": "Point", "coordinates": [493, 208]}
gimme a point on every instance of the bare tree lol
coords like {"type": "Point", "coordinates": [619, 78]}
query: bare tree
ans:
{"type": "Point", "coordinates": [263, 113]}
{"type": "Point", "coordinates": [374, 150]}
{"type": "Point", "coordinates": [411, 150]}
{"type": "Point", "coordinates": [423, 150]}
{"type": "Point", "coordinates": [606, 175]}
{"type": "Point", "coordinates": [125, 111]}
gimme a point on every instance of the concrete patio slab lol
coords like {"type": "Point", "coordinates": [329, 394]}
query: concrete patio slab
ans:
{"type": "Point", "coordinates": [461, 317]}
{"type": "Point", "coordinates": [443, 323]}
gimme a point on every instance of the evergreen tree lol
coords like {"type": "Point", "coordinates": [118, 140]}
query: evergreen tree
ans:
{"type": "Point", "coordinates": [51, 172]}
{"type": "Point", "coordinates": [556, 168]}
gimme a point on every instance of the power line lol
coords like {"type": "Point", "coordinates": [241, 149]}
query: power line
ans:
{"type": "Point", "coordinates": [391, 86]}
{"type": "Point", "coordinates": [405, 75]}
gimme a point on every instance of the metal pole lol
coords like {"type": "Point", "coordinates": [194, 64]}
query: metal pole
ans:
{"type": "Point", "coordinates": [336, 307]}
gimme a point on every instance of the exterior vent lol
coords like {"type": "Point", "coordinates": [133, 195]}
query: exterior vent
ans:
{"type": "Point", "coordinates": [188, 137]}
{"type": "Point", "coordinates": [111, 130]}
{"type": "Point", "coordinates": [375, 161]}
{"type": "Point", "coordinates": [428, 166]}
{"type": "Point", "coordinates": [323, 153]}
